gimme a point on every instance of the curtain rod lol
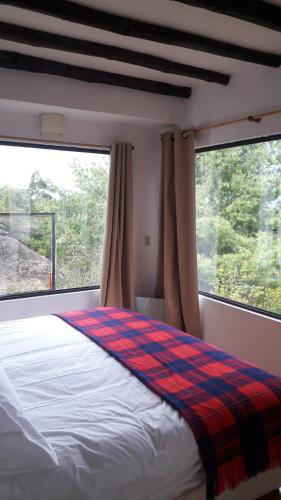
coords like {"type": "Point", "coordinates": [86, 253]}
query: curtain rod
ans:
{"type": "Point", "coordinates": [48, 142]}
{"type": "Point", "coordinates": [252, 118]}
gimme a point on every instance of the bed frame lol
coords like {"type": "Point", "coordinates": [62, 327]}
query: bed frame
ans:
{"type": "Point", "coordinates": [252, 489]}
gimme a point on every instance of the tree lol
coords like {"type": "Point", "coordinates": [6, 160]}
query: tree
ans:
{"type": "Point", "coordinates": [80, 220]}
{"type": "Point", "coordinates": [239, 223]}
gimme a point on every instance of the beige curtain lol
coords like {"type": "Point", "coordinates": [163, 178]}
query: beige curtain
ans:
{"type": "Point", "coordinates": [117, 273]}
{"type": "Point", "coordinates": [177, 260]}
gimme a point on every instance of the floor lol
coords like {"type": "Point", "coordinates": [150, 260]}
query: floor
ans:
{"type": "Point", "coordinates": [275, 495]}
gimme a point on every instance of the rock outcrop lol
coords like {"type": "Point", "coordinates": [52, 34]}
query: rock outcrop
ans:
{"type": "Point", "coordinates": [21, 269]}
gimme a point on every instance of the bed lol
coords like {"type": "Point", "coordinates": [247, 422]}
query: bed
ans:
{"type": "Point", "coordinates": [113, 438]}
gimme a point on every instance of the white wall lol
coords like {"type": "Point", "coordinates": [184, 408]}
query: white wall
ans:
{"type": "Point", "coordinates": [253, 337]}
{"type": "Point", "coordinates": [48, 304]}
{"type": "Point", "coordinates": [25, 90]}
{"type": "Point", "coordinates": [256, 91]}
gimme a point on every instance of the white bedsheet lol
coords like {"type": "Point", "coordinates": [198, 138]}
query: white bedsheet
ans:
{"type": "Point", "coordinates": [114, 439]}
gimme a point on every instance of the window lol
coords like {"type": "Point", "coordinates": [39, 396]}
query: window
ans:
{"type": "Point", "coordinates": [239, 223]}
{"type": "Point", "coordinates": [52, 218]}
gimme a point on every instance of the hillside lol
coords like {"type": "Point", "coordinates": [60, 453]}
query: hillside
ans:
{"type": "Point", "coordinates": [21, 269]}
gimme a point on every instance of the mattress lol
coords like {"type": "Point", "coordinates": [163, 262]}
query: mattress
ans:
{"type": "Point", "coordinates": [253, 489]}
{"type": "Point", "coordinates": [113, 437]}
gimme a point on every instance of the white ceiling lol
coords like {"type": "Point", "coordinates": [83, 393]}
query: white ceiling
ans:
{"type": "Point", "coordinates": [165, 12]}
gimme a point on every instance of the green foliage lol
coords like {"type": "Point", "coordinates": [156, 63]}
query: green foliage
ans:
{"type": "Point", "coordinates": [239, 224]}
{"type": "Point", "coordinates": [80, 221]}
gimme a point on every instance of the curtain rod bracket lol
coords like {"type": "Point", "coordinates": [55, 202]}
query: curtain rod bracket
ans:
{"type": "Point", "coordinates": [186, 133]}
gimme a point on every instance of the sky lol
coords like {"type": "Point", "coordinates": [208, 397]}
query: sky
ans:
{"type": "Point", "coordinates": [18, 163]}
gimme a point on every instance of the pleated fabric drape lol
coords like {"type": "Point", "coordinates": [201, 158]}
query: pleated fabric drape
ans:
{"type": "Point", "coordinates": [177, 280]}
{"type": "Point", "coordinates": [117, 273]}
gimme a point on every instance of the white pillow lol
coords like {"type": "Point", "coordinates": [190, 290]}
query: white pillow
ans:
{"type": "Point", "coordinates": [22, 447]}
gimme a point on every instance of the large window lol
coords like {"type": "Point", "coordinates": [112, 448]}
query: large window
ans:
{"type": "Point", "coordinates": [239, 223]}
{"type": "Point", "coordinates": [52, 218]}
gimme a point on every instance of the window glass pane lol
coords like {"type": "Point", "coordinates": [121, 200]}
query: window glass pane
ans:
{"type": "Point", "coordinates": [239, 224]}
{"type": "Point", "coordinates": [52, 218]}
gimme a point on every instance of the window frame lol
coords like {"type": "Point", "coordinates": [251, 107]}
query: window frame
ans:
{"type": "Point", "coordinates": [56, 147]}
{"type": "Point", "coordinates": [228, 145]}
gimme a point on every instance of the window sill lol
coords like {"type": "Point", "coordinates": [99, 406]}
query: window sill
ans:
{"type": "Point", "coordinates": [240, 305]}
{"type": "Point", "coordinates": [45, 293]}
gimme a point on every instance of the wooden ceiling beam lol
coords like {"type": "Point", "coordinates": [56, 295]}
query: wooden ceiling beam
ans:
{"type": "Point", "coordinates": [17, 61]}
{"type": "Point", "coordinates": [81, 14]}
{"type": "Point", "coordinates": [257, 12]}
{"type": "Point", "coordinates": [43, 39]}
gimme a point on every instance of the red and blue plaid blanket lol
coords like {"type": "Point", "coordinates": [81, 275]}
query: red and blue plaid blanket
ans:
{"type": "Point", "coordinates": [232, 407]}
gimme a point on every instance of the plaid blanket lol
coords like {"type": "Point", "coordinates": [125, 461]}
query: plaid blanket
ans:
{"type": "Point", "coordinates": [232, 407]}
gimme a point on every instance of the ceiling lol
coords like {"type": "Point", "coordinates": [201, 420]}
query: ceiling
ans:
{"type": "Point", "coordinates": [164, 12]}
